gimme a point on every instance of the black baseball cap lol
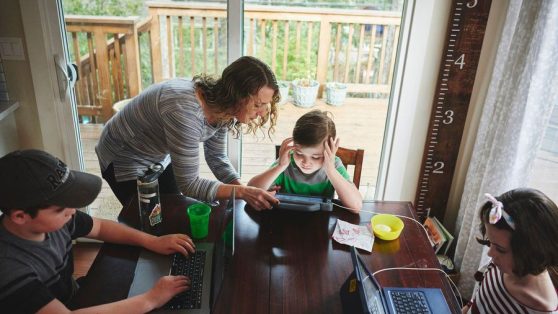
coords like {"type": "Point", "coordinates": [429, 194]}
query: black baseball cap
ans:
{"type": "Point", "coordinates": [30, 178]}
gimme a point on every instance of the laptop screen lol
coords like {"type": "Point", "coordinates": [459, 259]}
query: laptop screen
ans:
{"type": "Point", "coordinates": [369, 289]}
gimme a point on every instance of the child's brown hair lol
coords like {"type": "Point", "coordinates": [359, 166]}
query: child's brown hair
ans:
{"type": "Point", "coordinates": [534, 237]}
{"type": "Point", "coordinates": [313, 128]}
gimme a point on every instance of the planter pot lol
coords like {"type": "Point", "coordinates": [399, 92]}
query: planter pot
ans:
{"type": "Point", "coordinates": [335, 93]}
{"type": "Point", "coordinates": [283, 92]}
{"type": "Point", "coordinates": [305, 92]}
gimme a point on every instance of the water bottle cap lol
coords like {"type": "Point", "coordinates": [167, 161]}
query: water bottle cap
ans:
{"type": "Point", "coordinates": [152, 173]}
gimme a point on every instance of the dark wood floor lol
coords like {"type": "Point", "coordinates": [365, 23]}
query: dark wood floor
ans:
{"type": "Point", "coordinates": [84, 255]}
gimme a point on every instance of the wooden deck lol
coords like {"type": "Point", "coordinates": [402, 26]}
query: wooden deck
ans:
{"type": "Point", "coordinates": [360, 123]}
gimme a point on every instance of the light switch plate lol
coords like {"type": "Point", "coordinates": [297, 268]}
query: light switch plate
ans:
{"type": "Point", "coordinates": [11, 48]}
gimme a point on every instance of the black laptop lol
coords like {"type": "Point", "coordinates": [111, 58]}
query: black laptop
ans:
{"type": "Point", "coordinates": [361, 293]}
{"type": "Point", "coordinates": [205, 268]}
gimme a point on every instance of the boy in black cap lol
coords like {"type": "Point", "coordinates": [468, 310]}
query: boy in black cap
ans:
{"type": "Point", "coordinates": [38, 197]}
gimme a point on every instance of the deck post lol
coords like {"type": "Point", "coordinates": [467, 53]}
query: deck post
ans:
{"type": "Point", "coordinates": [133, 75]}
{"type": "Point", "coordinates": [105, 90]}
{"type": "Point", "coordinates": [323, 52]}
{"type": "Point", "coordinates": [156, 56]}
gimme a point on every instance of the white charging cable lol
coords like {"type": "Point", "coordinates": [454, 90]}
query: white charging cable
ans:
{"type": "Point", "coordinates": [411, 268]}
{"type": "Point", "coordinates": [376, 213]}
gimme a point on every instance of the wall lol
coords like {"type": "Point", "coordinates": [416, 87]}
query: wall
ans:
{"type": "Point", "coordinates": [18, 75]}
{"type": "Point", "coordinates": [496, 20]}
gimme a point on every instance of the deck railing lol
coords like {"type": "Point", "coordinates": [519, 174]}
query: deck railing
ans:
{"type": "Point", "coordinates": [356, 47]}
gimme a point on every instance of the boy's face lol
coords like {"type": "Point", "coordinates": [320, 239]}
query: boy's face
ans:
{"type": "Point", "coordinates": [309, 159]}
{"type": "Point", "coordinates": [50, 219]}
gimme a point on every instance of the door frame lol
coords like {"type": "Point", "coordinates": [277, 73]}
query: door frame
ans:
{"type": "Point", "coordinates": [44, 28]}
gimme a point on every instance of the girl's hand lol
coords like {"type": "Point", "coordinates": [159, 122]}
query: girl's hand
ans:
{"type": "Point", "coordinates": [284, 152]}
{"type": "Point", "coordinates": [171, 243]}
{"type": "Point", "coordinates": [330, 149]}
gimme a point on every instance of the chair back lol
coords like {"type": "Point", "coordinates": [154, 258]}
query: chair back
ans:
{"type": "Point", "coordinates": [348, 157]}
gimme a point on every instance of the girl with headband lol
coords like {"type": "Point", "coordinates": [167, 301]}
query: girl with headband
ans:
{"type": "Point", "coordinates": [520, 228]}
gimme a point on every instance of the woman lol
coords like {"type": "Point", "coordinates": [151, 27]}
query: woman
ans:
{"type": "Point", "coordinates": [167, 121]}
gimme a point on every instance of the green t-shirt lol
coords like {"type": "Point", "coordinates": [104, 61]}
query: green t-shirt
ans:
{"type": "Point", "coordinates": [294, 181]}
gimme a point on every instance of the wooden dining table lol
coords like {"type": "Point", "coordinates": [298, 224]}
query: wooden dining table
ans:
{"type": "Point", "coordinates": [283, 262]}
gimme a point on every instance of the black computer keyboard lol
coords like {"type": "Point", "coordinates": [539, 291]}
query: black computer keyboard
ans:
{"type": "Point", "coordinates": [192, 267]}
{"type": "Point", "coordinates": [409, 302]}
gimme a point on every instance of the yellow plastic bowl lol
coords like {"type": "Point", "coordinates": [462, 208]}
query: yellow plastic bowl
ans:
{"type": "Point", "coordinates": [387, 227]}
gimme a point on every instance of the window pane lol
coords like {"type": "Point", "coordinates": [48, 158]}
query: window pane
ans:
{"type": "Point", "coordinates": [122, 47]}
{"type": "Point", "coordinates": [350, 45]}
{"type": "Point", "coordinates": [545, 169]}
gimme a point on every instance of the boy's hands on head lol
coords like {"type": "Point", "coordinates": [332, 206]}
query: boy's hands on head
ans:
{"type": "Point", "coordinates": [330, 149]}
{"type": "Point", "coordinates": [284, 152]}
{"type": "Point", "coordinates": [171, 243]}
{"type": "Point", "coordinates": [166, 288]}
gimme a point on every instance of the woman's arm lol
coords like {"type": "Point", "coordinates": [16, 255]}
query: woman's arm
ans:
{"type": "Point", "coordinates": [215, 152]}
{"type": "Point", "coordinates": [255, 197]}
{"type": "Point", "coordinates": [183, 131]}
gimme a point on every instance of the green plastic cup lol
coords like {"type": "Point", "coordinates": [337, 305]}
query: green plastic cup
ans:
{"type": "Point", "coordinates": [199, 219]}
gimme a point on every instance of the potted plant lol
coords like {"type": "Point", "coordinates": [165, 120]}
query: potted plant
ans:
{"type": "Point", "coordinates": [283, 92]}
{"type": "Point", "coordinates": [305, 92]}
{"type": "Point", "coordinates": [335, 93]}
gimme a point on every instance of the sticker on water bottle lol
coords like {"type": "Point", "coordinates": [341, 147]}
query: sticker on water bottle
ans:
{"type": "Point", "coordinates": [155, 217]}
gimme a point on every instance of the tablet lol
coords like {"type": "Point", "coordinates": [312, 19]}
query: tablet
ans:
{"type": "Point", "coordinates": [303, 203]}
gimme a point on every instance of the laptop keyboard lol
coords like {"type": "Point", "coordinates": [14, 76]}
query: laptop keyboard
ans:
{"type": "Point", "coordinates": [192, 267]}
{"type": "Point", "coordinates": [409, 302]}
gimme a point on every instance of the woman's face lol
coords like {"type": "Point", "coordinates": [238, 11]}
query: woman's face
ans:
{"type": "Point", "coordinates": [257, 105]}
{"type": "Point", "coordinates": [500, 248]}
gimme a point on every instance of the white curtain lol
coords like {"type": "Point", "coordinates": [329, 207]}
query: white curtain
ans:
{"type": "Point", "coordinates": [522, 92]}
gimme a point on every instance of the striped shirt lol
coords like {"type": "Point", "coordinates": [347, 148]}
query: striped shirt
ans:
{"type": "Point", "coordinates": [162, 124]}
{"type": "Point", "coordinates": [493, 297]}
{"type": "Point", "coordinates": [294, 181]}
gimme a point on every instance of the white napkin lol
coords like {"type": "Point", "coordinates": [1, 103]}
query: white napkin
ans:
{"type": "Point", "coordinates": [353, 235]}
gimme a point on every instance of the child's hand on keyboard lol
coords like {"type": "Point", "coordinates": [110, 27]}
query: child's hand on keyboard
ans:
{"type": "Point", "coordinates": [166, 288]}
{"type": "Point", "coordinates": [171, 243]}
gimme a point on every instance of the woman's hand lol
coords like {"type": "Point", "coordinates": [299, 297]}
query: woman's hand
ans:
{"type": "Point", "coordinates": [284, 152]}
{"type": "Point", "coordinates": [330, 149]}
{"type": "Point", "coordinates": [257, 198]}
{"type": "Point", "coordinates": [166, 288]}
{"type": "Point", "coordinates": [171, 243]}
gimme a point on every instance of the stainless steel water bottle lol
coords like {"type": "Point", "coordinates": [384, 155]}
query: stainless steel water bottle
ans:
{"type": "Point", "coordinates": [149, 201]}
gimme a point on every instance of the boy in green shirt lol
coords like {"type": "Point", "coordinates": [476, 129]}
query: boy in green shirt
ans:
{"type": "Point", "coordinates": [307, 164]}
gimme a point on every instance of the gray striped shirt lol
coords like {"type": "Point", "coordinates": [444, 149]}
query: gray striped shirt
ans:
{"type": "Point", "coordinates": [166, 123]}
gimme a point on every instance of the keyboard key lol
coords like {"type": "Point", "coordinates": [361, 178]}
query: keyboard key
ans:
{"type": "Point", "coordinates": [191, 267]}
{"type": "Point", "coordinates": [409, 302]}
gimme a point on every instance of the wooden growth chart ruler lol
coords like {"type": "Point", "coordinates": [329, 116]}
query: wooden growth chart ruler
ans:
{"type": "Point", "coordinates": [460, 58]}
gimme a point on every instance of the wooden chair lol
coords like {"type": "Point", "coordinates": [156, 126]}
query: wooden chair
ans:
{"type": "Point", "coordinates": [348, 157]}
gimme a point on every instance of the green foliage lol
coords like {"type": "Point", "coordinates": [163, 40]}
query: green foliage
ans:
{"type": "Point", "coordinates": [299, 64]}
{"type": "Point", "coordinates": [104, 7]}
